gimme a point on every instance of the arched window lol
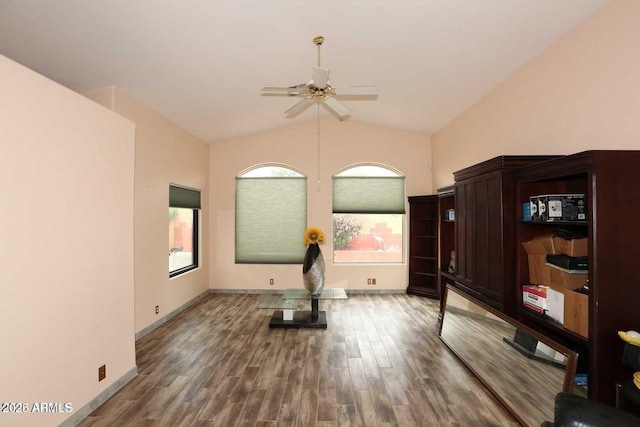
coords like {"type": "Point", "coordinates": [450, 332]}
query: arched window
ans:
{"type": "Point", "coordinates": [271, 215]}
{"type": "Point", "coordinates": [368, 215]}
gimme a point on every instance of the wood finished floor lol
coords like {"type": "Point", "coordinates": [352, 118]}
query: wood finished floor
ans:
{"type": "Point", "coordinates": [379, 363]}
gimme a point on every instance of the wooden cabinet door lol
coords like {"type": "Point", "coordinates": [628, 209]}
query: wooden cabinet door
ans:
{"type": "Point", "coordinates": [479, 235]}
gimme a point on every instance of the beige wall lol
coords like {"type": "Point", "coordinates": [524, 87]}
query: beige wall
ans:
{"type": "Point", "coordinates": [582, 93]}
{"type": "Point", "coordinates": [164, 154]}
{"type": "Point", "coordinates": [341, 144]}
{"type": "Point", "coordinates": [66, 268]}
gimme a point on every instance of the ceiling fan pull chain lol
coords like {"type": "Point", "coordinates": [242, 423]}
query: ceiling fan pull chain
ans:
{"type": "Point", "coordinates": [318, 156]}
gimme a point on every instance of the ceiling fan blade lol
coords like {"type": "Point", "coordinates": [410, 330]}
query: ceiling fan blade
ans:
{"type": "Point", "coordinates": [291, 90]}
{"type": "Point", "coordinates": [320, 77]}
{"type": "Point", "coordinates": [280, 89]}
{"type": "Point", "coordinates": [356, 91]}
{"type": "Point", "coordinates": [299, 107]}
{"type": "Point", "coordinates": [337, 107]}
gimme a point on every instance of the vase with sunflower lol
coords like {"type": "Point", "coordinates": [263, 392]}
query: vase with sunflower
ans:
{"type": "Point", "coordinates": [313, 266]}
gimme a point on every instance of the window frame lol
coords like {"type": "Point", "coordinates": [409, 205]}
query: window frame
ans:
{"type": "Point", "coordinates": [389, 172]}
{"type": "Point", "coordinates": [194, 206]}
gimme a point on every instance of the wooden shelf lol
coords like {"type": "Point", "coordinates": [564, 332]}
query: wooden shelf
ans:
{"type": "Point", "coordinates": [430, 258]}
{"type": "Point", "coordinates": [423, 246]}
{"type": "Point", "coordinates": [447, 275]}
{"type": "Point", "coordinates": [557, 328]}
{"type": "Point", "coordinates": [446, 240]}
{"type": "Point", "coordinates": [557, 223]}
{"type": "Point", "coordinates": [609, 179]}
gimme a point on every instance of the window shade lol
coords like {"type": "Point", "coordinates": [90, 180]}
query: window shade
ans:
{"type": "Point", "coordinates": [373, 195]}
{"type": "Point", "coordinates": [180, 197]}
{"type": "Point", "coordinates": [271, 217]}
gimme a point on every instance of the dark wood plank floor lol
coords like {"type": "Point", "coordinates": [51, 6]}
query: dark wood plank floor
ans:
{"type": "Point", "coordinates": [379, 363]}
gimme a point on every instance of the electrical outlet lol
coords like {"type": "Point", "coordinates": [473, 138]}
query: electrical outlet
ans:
{"type": "Point", "coordinates": [102, 372]}
{"type": "Point", "coordinates": [271, 281]}
{"type": "Point", "coordinates": [157, 309]}
{"type": "Point", "coordinates": [373, 281]}
{"type": "Point", "coordinates": [368, 281]}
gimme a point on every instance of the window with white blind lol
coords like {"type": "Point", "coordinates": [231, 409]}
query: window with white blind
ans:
{"type": "Point", "coordinates": [368, 215]}
{"type": "Point", "coordinates": [271, 215]}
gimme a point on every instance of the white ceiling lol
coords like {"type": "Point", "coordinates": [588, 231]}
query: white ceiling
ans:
{"type": "Point", "coordinates": [202, 63]}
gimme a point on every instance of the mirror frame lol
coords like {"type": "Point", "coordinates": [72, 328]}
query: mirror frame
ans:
{"type": "Point", "coordinates": [571, 355]}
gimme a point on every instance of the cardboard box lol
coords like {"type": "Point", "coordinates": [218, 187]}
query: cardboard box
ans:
{"type": "Point", "coordinates": [576, 312]}
{"type": "Point", "coordinates": [560, 278]}
{"type": "Point", "coordinates": [576, 305]}
{"type": "Point", "coordinates": [573, 247]}
{"type": "Point", "coordinates": [537, 250]}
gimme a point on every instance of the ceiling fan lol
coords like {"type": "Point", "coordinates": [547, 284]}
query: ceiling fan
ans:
{"type": "Point", "coordinates": [320, 90]}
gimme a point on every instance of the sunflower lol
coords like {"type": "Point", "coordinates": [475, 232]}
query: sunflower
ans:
{"type": "Point", "coordinates": [313, 235]}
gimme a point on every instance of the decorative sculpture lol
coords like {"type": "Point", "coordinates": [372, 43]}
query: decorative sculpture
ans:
{"type": "Point", "coordinates": [313, 266]}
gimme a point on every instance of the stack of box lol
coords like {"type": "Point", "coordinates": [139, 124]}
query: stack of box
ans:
{"type": "Point", "coordinates": [555, 293]}
{"type": "Point", "coordinates": [556, 207]}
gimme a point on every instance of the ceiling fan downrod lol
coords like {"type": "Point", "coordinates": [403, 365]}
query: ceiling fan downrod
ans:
{"type": "Point", "coordinates": [318, 40]}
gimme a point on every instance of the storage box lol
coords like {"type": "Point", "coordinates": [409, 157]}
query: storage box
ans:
{"type": "Point", "coordinates": [526, 211]}
{"type": "Point", "coordinates": [535, 298]}
{"type": "Point", "coordinates": [572, 247]}
{"type": "Point", "coordinates": [576, 312]}
{"type": "Point", "coordinates": [544, 299]}
{"type": "Point", "coordinates": [537, 250]}
{"type": "Point", "coordinates": [533, 209]}
{"type": "Point", "coordinates": [562, 278]}
{"type": "Point", "coordinates": [576, 305]}
{"type": "Point", "coordinates": [581, 385]}
{"type": "Point", "coordinates": [560, 207]}
{"type": "Point", "coordinates": [569, 262]}
{"type": "Point", "coordinates": [580, 379]}
{"type": "Point", "coordinates": [555, 305]}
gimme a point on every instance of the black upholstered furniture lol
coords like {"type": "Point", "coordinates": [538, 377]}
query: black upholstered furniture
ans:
{"type": "Point", "coordinates": [576, 411]}
{"type": "Point", "coordinates": [627, 394]}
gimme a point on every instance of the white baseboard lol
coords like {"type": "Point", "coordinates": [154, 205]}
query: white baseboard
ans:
{"type": "Point", "coordinates": [281, 291]}
{"type": "Point", "coordinates": [164, 319]}
{"type": "Point", "coordinates": [106, 394]}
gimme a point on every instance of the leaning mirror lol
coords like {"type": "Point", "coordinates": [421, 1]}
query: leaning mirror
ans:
{"type": "Point", "coordinates": [523, 369]}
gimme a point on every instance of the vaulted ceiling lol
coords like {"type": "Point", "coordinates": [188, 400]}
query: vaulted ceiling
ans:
{"type": "Point", "coordinates": [202, 63]}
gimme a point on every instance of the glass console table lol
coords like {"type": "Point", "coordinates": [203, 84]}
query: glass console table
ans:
{"type": "Point", "coordinates": [285, 305]}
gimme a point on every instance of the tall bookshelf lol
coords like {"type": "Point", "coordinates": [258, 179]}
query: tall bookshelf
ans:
{"type": "Point", "coordinates": [423, 246]}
